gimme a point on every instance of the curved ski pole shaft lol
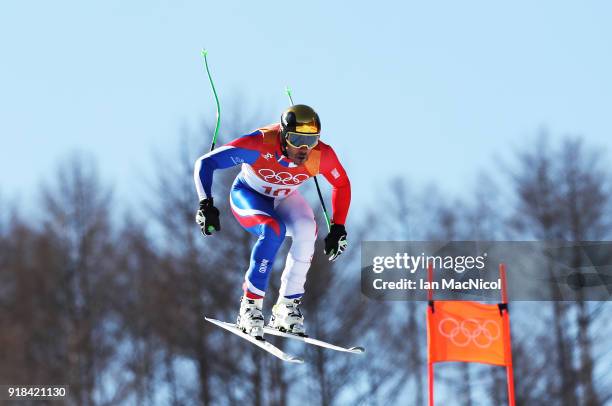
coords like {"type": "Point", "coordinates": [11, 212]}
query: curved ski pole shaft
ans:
{"type": "Point", "coordinates": [214, 140]}
{"type": "Point", "coordinates": [327, 220]}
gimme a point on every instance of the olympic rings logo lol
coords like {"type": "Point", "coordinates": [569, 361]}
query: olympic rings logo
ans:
{"type": "Point", "coordinates": [469, 331]}
{"type": "Point", "coordinates": [284, 178]}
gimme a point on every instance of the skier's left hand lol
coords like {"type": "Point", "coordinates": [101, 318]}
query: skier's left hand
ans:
{"type": "Point", "coordinates": [335, 242]}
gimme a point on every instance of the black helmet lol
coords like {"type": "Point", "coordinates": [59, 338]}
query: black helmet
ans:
{"type": "Point", "coordinates": [300, 119]}
{"type": "Point", "coordinates": [301, 123]}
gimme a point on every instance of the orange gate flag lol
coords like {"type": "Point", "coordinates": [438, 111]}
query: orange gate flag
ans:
{"type": "Point", "coordinates": [468, 332]}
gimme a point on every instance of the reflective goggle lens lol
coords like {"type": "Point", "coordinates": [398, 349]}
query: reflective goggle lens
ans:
{"type": "Point", "coordinates": [298, 140]}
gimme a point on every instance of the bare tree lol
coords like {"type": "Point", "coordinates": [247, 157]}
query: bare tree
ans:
{"type": "Point", "coordinates": [563, 194]}
{"type": "Point", "coordinates": [537, 216]}
{"type": "Point", "coordinates": [56, 272]}
{"type": "Point", "coordinates": [77, 225]}
{"type": "Point", "coordinates": [585, 201]}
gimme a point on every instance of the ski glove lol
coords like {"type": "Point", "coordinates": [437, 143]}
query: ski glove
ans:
{"type": "Point", "coordinates": [207, 217]}
{"type": "Point", "coordinates": [335, 242]}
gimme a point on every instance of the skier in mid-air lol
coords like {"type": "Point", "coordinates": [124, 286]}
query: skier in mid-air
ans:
{"type": "Point", "coordinates": [276, 160]}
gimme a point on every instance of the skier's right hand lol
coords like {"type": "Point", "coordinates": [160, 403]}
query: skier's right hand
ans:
{"type": "Point", "coordinates": [207, 217]}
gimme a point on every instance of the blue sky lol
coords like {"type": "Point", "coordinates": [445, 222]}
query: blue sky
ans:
{"type": "Point", "coordinates": [430, 90]}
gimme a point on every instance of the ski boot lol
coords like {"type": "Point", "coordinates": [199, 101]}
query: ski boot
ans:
{"type": "Point", "coordinates": [287, 317]}
{"type": "Point", "coordinates": [250, 319]}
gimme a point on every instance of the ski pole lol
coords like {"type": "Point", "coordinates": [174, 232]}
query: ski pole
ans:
{"type": "Point", "coordinates": [214, 140]}
{"type": "Point", "coordinates": [327, 221]}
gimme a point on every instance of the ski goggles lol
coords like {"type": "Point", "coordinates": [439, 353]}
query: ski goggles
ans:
{"type": "Point", "coordinates": [299, 140]}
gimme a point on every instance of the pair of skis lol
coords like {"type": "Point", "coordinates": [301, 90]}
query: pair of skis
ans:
{"type": "Point", "coordinates": [274, 350]}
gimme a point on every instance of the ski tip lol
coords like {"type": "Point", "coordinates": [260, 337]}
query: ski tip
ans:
{"type": "Point", "coordinates": [296, 360]}
{"type": "Point", "coordinates": [359, 350]}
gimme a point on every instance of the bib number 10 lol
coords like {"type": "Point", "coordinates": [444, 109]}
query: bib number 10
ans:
{"type": "Point", "coordinates": [276, 192]}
